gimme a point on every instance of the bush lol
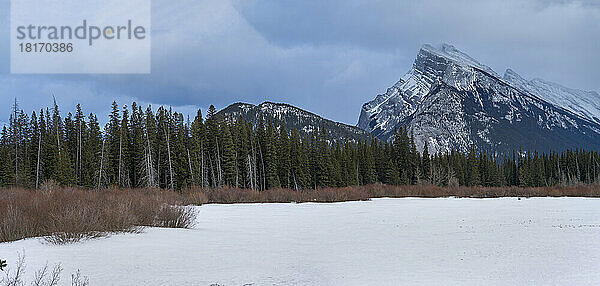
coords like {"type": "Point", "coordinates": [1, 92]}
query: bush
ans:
{"type": "Point", "coordinates": [228, 195]}
{"type": "Point", "coordinates": [175, 217]}
{"type": "Point", "coordinates": [64, 215]}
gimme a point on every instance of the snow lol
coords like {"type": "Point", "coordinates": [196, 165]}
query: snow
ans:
{"type": "Point", "coordinates": [450, 52]}
{"type": "Point", "coordinates": [583, 103]}
{"type": "Point", "coordinates": [381, 242]}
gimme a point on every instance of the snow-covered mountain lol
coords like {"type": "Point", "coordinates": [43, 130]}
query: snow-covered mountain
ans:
{"type": "Point", "coordinates": [306, 122]}
{"type": "Point", "coordinates": [452, 101]}
{"type": "Point", "coordinates": [583, 103]}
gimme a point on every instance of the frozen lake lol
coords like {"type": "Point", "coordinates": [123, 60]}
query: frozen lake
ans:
{"type": "Point", "coordinates": [381, 242]}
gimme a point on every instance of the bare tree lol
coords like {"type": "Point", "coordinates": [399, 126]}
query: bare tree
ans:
{"type": "Point", "coordinates": [44, 278]}
{"type": "Point", "coordinates": [169, 154]}
{"type": "Point", "coordinates": [79, 151]}
{"type": "Point", "coordinates": [250, 172]}
{"type": "Point", "coordinates": [120, 155]}
{"type": "Point", "coordinates": [37, 168]}
{"type": "Point", "coordinates": [101, 163]}
{"type": "Point", "coordinates": [16, 139]}
{"type": "Point", "coordinates": [218, 161]}
{"type": "Point", "coordinates": [15, 278]}
{"type": "Point", "coordinates": [202, 167]}
{"type": "Point", "coordinates": [190, 163]}
{"type": "Point", "coordinates": [150, 171]}
{"type": "Point", "coordinates": [295, 183]}
{"type": "Point", "coordinates": [236, 170]}
{"type": "Point", "coordinates": [357, 178]}
{"type": "Point", "coordinates": [212, 171]}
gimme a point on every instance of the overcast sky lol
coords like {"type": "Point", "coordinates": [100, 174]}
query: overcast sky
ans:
{"type": "Point", "coordinates": [328, 57]}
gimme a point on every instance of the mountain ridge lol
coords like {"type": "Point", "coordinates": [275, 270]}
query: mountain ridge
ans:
{"type": "Point", "coordinates": [557, 94]}
{"type": "Point", "coordinates": [291, 116]}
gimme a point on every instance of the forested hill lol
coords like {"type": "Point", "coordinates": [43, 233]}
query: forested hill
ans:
{"type": "Point", "coordinates": [142, 147]}
{"type": "Point", "coordinates": [306, 122]}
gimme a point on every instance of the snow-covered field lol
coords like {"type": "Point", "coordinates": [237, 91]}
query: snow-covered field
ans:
{"type": "Point", "coordinates": [536, 241]}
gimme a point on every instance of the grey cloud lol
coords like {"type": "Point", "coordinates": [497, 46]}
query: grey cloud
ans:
{"type": "Point", "coordinates": [554, 39]}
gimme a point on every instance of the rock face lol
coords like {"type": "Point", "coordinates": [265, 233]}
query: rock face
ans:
{"type": "Point", "coordinates": [306, 122]}
{"type": "Point", "coordinates": [453, 102]}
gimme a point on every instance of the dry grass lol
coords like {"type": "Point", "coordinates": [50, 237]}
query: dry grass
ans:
{"type": "Point", "coordinates": [235, 195]}
{"type": "Point", "coordinates": [68, 215]}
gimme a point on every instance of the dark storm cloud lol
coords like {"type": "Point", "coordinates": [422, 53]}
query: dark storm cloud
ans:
{"type": "Point", "coordinates": [326, 56]}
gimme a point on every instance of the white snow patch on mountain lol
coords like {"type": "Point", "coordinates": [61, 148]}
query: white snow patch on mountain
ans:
{"type": "Point", "coordinates": [583, 103]}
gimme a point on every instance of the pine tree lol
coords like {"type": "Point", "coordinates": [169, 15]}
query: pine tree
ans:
{"type": "Point", "coordinates": [35, 147]}
{"type": "Point", "coordinates": [141, 149]}
{"type": "Point", "coordinates": [473, 174]}
{"type": "Point", "coordinates": [367, 164]}
{"type": "Point", "coordinates": [113, 146]}
{"type": "Point", "coordinates": [124, 162]}
{"type": "Point", "coordinates": [299, 162]}
{"type": "Point", "coordinates": [213, 156]}
{"type": "Point", "coordinates": [323, 163]}
{"type": "Point", "coordinates": [271, 177]}
{"type": "Point", "coordinates": [81, 136]}
{"type": "Point", "coordinates": [198, 150]}
{"type": "Point", "coordinates": [149, 173]}
{"type": "Point", "coordinates": [63, 170]}
{"type": "Point", "coordinates": [229, 159]}
{"type": "Point", "coordinates": [92, 154]}
{"type": "Point", "coordinates": [6, 167]}
{"type": "Point", "coordinates": [137, 146]}
{"type": "Point", "coordinates": [283, 157]}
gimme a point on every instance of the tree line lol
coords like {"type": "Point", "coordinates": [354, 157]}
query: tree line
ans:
{"type": "Point", "coordinates": [163, 149]}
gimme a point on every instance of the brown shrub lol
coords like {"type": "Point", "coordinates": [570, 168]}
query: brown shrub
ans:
{"type": "Point", "coordinates": [175, 217]}
{"type": "Point", "coordinates": [228, 195]}
{"type": "Point", "coordinates": [68, 215]}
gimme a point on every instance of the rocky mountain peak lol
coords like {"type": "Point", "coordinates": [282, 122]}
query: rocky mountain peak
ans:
{"type": "Point", "coordinates": [452, 101]}
{"type": "Point", "coordinates": [448, 54]}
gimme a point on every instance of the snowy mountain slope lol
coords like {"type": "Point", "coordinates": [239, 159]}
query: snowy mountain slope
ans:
{"type": "Point", "coordinates": [452, 101]}
{"type": "Point", "coordinates": [306, 122]}
{"type": "Point", "coordinates": [583, 103]}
